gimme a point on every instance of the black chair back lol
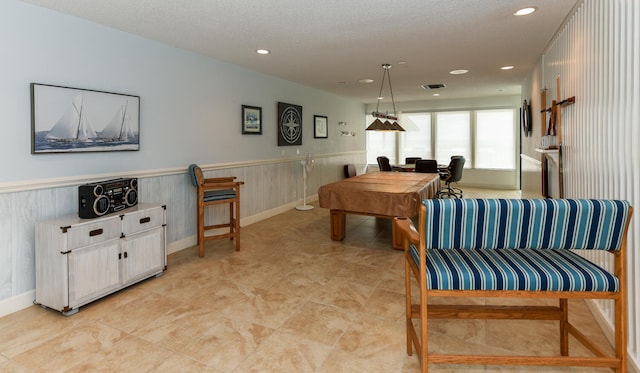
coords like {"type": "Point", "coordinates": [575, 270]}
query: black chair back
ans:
{"type": "Point", "coordinates": [383, 163]}
{"type": "Point", "coordinates": [455, 169]}
{"type": "Point", "coordinates": [427, 166]}
{"type": "Point", "coordinates": [349, 170]}
{"type": "Point", "coordinates": [411, 160]}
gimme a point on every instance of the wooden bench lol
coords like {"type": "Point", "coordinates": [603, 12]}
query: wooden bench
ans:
{"type": "Point", "coordinates": [521, 249]}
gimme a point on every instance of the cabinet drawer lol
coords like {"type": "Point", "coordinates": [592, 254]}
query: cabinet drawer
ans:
{"type": "Point", "coordinates": [142, 220]}
{"type": "Point", "coordinates": [90, 233]}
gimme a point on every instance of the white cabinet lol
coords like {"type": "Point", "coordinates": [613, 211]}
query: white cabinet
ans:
{"type": "Point", "coordinates": [81, 260]}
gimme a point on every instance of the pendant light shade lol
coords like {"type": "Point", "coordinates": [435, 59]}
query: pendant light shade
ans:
{"type": "Point", "coordinates": [377, 124]}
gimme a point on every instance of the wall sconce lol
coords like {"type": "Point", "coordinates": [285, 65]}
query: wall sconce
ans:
{"type": "Point", "coordinates": [345, 133]}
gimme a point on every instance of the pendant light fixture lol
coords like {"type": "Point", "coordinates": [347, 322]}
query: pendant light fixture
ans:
{"type": "Point", "coordinates": [377, 124]}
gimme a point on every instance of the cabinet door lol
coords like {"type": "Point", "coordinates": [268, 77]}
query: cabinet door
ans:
{"type": "Point", "coordinates": [143, 255]}
{"type": "Point", "coordinates": [93, 272]}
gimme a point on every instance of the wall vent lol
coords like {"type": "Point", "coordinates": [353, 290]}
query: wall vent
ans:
{"type": "Point", "coordinates": [433, 86]}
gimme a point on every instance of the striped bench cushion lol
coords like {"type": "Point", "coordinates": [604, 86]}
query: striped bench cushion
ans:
{"type": "Point", "coordinates": [489, 269]}
{"type": "Point", "coordinates": [525, 223]}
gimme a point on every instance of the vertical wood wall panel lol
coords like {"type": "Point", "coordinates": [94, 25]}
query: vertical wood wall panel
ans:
{"type": "Point", "coordinates": [269, 186]}
{"type": "Point", "coordinates": [597, 57]}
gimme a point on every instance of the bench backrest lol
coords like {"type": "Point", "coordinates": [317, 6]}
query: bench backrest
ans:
{"type": "Point", "coordinates": [525, 223]}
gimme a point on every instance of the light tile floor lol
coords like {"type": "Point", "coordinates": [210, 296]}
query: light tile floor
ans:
{"type": "Point", "coordinates": [291, 301]}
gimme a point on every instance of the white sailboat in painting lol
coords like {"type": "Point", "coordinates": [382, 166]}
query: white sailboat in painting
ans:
{"type": "Point", "coordinates": [118, 128]}
{"type": "Point", "coordinates": [73, 125]}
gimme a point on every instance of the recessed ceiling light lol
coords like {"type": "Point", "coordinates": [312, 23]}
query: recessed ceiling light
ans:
{"type": "Point", "coordinates": [458, 72]}
{"type": "Point", "coordinates": [263, 51]}
{"type": "Point", "coordinates": [365, 81]}
{"type": "Point", "coordinates": [436, 94]}
{"type": "Point", "coordinates": [509, 67]}
{"type": "Point", "coordinates": [524, 11]}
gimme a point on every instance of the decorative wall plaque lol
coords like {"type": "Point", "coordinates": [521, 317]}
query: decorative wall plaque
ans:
{"type": "Point", "coordinates": [289, 124]}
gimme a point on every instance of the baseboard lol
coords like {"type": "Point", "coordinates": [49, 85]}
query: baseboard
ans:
{"type": "Point", "coordinates": [607, 330]}
{"type": "Point", "coordinates": [17, 303]}
{"type": "Point", "coordinates": [184, 243]}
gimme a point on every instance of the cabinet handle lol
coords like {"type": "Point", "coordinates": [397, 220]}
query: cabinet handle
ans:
{"type": "Point", "coordinates": [95, 232]}
{"type": "Point", "coordinates": [145, 220]}
{"type": "Point", "coordinates": [125, 255]}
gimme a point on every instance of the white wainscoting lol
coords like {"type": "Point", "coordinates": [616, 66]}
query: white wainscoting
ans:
{"type": "Point", "coordinates": [271, 187]}
{"type": "Point", "coordinates": [531, 181]}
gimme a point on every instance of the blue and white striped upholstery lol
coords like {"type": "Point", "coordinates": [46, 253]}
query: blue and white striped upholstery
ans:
{"type": "Point", "coordinates": [465, 241]}
{"type": "Point", "coordinates": [525, 223]}
{"type": "Point", "coordinates": [487, 269]}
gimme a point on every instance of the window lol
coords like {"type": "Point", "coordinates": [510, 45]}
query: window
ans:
{"type": "Point", "coordinates": [453, 136]}
{"type": "Point", "coordinates": [416, 140]}
{"type": "Point", "coordinates": [380, 143]}
{"type": "Point", "coordinates": [486, 138]}
{"type": "Point", "coordinates": [495, 146]}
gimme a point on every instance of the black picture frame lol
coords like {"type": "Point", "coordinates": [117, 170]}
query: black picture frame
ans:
{"type": "Point", "coordinates": [76, 120]}
{"type": "Point", "coordinates": [251, 120]}
{"type": "Point", "coordinates": [289, 124]}
{"type": "Point", "coordinates": [320, 127]}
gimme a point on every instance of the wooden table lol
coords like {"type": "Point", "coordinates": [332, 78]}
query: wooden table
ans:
{"type": "Point", "coordinates": [380, 194]}
{"type": "Point", "coordinates": [404, 167]}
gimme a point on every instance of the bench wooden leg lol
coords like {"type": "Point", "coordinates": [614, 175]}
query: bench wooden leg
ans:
{"type": "Point", "coordinates": [424, 336]}
{"type": "Point", "coordinates": [564, 332]}
{"type": "Point", "coordinates": [407, 284]}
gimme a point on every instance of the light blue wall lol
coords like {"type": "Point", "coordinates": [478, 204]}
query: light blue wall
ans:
{"type": "Point", "coordinates": [190, 112]}
{"type": "Point", "coordinates": [189, 104]}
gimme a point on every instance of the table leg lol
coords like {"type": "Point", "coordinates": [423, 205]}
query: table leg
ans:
{"type": "Point", "coordinates": [338, 224]}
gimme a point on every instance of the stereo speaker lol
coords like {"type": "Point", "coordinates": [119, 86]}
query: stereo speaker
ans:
{"type": "Point", "coordinates": [104, 197]}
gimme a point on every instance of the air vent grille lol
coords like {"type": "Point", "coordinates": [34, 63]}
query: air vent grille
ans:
{"type": "Point", "coordinates": [433, 86]}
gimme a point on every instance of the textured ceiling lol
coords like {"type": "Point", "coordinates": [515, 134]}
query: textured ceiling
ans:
{"type": "Point", "coordinates": [332, 44]}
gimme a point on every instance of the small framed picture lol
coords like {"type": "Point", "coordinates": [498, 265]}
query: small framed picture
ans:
{"type": "Point", "coordinates": [251, 120]}
{"type": "Point", "coordinates": [320, 127]}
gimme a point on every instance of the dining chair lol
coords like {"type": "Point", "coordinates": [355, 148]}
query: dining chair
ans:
{"type": "Point", "coordinates": [452, 174]}
{"type": "Point", "coordinates": [383, 163]}
{"type": "Point", "coordinates": [411, 160]}
{"type": "Point", "coordinates": [349, 170]}
{"type": "Point", "coordinates": [427, 166]}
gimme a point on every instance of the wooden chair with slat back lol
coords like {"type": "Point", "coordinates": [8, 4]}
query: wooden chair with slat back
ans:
{"type": "Point", "coordinates": [212, 192]}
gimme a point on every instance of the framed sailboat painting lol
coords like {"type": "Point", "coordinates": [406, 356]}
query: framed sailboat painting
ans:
{"type": "Point", "coordinates": [65, 119]}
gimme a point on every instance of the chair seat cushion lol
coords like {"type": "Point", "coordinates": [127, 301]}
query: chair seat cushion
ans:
{"type": "Point", "coordinates": [216, 195]}
{"type": "Point", "coordinates": [513, 269]}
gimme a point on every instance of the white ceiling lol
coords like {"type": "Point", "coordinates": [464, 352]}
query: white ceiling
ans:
{"type": "Point", "coordinates": [332, 44]}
